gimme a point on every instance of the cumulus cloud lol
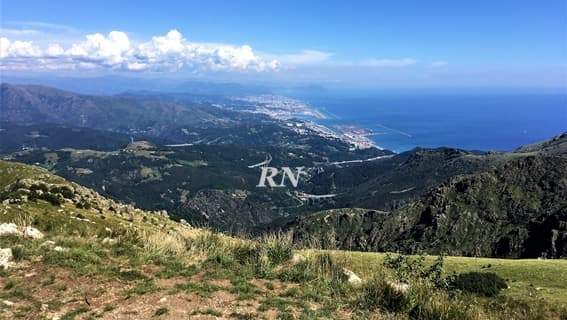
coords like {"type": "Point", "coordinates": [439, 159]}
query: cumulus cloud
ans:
{"type": "Point", "coordinates": [16, 49]}
{"type": "Point", "coordinates": [389, 63]}
{"type": "Point", "coordinates": [169, 52]}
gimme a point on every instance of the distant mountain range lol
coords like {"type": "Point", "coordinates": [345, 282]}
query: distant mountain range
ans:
{"type": "Point", "coordinates": [110, 85]}
{"type": "Point", "coordinates": [30, 104]}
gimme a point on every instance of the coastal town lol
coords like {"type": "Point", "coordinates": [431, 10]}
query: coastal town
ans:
{"type": "Point", "coordinates": [305, 119]}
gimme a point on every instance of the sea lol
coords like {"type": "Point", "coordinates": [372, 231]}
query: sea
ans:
{"type": "Point", "coordinates": [472, 121]}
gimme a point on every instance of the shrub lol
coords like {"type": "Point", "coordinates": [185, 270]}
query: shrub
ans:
{"type": "Point", "coordinates": [279, 248]}
{"type": "Point", "coordinates": [42, 187]}
{"type": "Point", "coordinates": [430, 304]}
{"type": "Point", "coordinates": [65, 191]}
{"type": "Point", "coordinates": [255, 257]}
{"type": "Point", "coordinates": [247, 253]}
{"type": "Point", "coordinates": [18, 253]}
{"type": "Point", "coordinates": [407, 268]}
{"type": "Point", "coordinates": [54, 199]}
{"type": "Point", "coordinates": [208, 243]}
{"type": "Point", "coordinates": [221, 259]}
{"type": "Point", "coordinates": [321, 266]}
{"type": "Point", "coordinates": [299, 272]}
{"type": "Point", "coordinates": [404, 267]}
{"type": "Point", "coordinates": [378, 294]}
{"type": "Point", "coordinates": [424, 312]}
{"type": "Point", "coordinates": [487, 284]}
{"type": "Point", "coordinates": [325, 266]}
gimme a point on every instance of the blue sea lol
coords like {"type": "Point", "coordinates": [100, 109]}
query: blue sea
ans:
{"type": "Point", "coordinates": [487, 121]}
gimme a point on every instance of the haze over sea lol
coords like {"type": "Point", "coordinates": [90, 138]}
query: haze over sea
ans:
{"type": "Point", "coordinates": [487, 121]}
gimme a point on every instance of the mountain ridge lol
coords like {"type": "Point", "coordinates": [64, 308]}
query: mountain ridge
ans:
{"type": "Point", "coordinates": [516, 209]}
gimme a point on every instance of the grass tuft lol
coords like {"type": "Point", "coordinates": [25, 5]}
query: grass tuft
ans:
{"type": "Point", "coordinates": [377, 294]}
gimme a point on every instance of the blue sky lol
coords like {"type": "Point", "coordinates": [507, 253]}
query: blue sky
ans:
{"type": "Point", "coordinates": [355, 43]}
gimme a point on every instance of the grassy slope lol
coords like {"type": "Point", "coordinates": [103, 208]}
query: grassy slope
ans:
{"type": "Point", "coordinates": [528, 279]}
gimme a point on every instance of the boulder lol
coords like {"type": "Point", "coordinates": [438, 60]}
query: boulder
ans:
{"type": "Point", "coordinates": [7, 303]}
{"type": "Point", "coordinates": [108, 241]}
{"type": "Point", "coordinates": [352, 277]}
{"type": "Point", "coordinates": [32, 233]}
{"type": "Point", "coordinates": [9, 229]}
{"type": "Point", "coordinates": [297, 258]}
{"type": "Point", "coordinates": [6, 258]}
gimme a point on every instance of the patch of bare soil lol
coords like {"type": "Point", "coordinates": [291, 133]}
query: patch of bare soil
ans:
{"type": "Point", "coordinates": [52, 293]}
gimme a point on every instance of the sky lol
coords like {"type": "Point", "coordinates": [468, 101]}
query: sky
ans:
{"type": "Point", "coordinates": [367, 44]}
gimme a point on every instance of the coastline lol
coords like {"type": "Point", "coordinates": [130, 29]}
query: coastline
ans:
{"type": "Point", "coordinates": [302, 118]}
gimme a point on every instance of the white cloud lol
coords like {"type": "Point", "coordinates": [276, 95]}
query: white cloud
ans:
{"type": "Point", "coordinates": [55, 50]}
{"type": "Point", "coordinates": [116, 51]}
{"type": "Point", "coordinates": [389, 63]}
{"type": "Point", "coordinates": [438, 64]}
{"type": "Point", "coordinates": [305, 57]}
{"type": "Point", "coordinates": [109, 50]}
{"type": "Point", "coordinates": [17, 49]}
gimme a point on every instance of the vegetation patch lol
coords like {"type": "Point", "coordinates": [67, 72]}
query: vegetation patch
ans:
{"type": "Point", "coordinates": [378, 294]}
{"type": "Point", "coordinates": [142, 287]}
{"type": "Point", "coordinates": [204, 289]}
{"type": "Point", "coordinates": [487, 284]}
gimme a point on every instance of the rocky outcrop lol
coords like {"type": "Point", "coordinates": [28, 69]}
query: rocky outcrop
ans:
{"type": "Point", "coordinates": [23, 190]}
